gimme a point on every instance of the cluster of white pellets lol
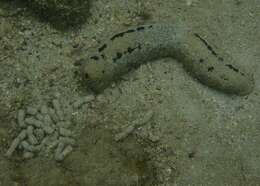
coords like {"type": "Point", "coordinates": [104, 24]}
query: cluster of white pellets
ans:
{"type": "Point", "coordinates": [47, 130]}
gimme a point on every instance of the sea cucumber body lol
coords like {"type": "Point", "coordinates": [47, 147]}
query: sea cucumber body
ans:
{"type": "Point", "coordinates": [128, 49]}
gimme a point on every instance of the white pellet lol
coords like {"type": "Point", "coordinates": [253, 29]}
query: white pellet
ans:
{"type": "Point", "coordinates": [64, 153]}
{"type": "Point", "coordinates": [57, 108]}
{"type": "Point", "coordinates": [31, 110]}
{"type": "Point", "coordinates": [53, 115]}
{"type": "Point", "coordinates": [53, 144]}
{"type": "Point", "coordinates": [65, 132]}
{"type": "Point", "coordinates": [59, 149]}
{"type": "Point", "coordinates": [47, 120]}
{"type": "Point", "coordinates": [22, 135]}
{"type": "Point", "coordinates": [26, 146]}
{"type": "Point", "coordinates": [48, 129]}
{"type": "Point", "coordinates": [20, 118]}
{"type": "Point", "coordinates": [34, 122]}
{"type": "Point", "coordinates": [44, 109]}
{"type": "Point", "coordinates": [39, 116]}
{"type": "Point", "coordinates": [83, 100]}
{"type": "Point", "coordinates": [68, 110]}
{"type": "Point", "coordinates": [12, 147]}
{"type": "Point", "coordinates": [67, 140]}
{"type": "Point", "coordinates": [147, 117]}
{"type": "Point", "coordinates": [45, 141]}
{"type": "Point", "coordinates": [126, 131]}
{"type": "Point", "coordinates": [32, 139]}
{"type": "Point", "coordinates": [61, 124]}
{"type": "Point", "coordinates": [39, 134]}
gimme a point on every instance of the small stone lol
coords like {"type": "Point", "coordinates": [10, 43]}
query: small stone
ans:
{"type": "Point", "coordinates": [28, 155]}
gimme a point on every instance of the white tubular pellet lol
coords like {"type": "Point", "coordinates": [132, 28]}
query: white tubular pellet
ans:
{"type": "Point", "coordinates": [59, 149]}
{"type": "Point", "coordinates": [53, 144]}
{"type": "Point", "coordinates": [68, 110]}
{"type": "Point", "coordinates": [34, 122]}
{"type": "Point", "coordinates": [64, 153]}
{"type": "Point", "coordinates": [20, 118]}
{"type": "Point", "coordinates": [67, 140]}
{"type": "Point", "coordinates": [39, 116]}
{"type": "Point", "coordinates": [28, 155]}
{"type": "Point", "coordinates": [81, 101]}
{"type": "Point", "coordinates": [126, 131]}
{"type": "Point", "coordinates": [48, 129]}
{"type": "Point", "coordinates": [45, 141]}
{"type": "Point", "coordinates": [12, 147]}
{"type": "Point", "coordinates": [22, 135]}
{"type": "Point", "coordinates": [26, 146]}
{"type": "Point", "coordinates": [31, 110]}
{"type": "Point", "coordinates": [47, 120]}
{"type": "Point", "coordinates": [44, 109]}
{"type": "Point", "coordinates": [146, 118]}
{"type": "Point", "coordinates": [31, 138]}
{"type": "Point", "coordinates": [39, 134]}
{"type": "Point", "coordinates": [57, 108]}
{"type": "Point", "coordinates": [53, 115]}
{"type": "Point", "coordinates": [64, 124]}
{"type": "Point", "coordinates": [65, 132]}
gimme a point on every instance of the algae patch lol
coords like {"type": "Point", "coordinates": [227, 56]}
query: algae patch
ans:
{"type": "Point", "coordinates": [61, 13]}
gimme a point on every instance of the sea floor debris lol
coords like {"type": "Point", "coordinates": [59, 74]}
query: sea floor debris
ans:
{"type": "Point", "coordinates": [47, 130]}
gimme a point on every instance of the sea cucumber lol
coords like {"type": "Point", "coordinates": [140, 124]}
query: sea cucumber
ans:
{"type": "Point", "coordinates": [128, 49]}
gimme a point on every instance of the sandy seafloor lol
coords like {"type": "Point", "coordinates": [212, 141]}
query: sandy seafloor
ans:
{"type": "Point", "coordinates": [197, 136]}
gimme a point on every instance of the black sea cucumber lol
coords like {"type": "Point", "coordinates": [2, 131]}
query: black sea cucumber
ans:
{"type": "Point", "coordinates": [129, 49]}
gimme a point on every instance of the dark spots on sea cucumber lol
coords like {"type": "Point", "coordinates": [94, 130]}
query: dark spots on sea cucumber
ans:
{"type": "Point", "coordinates": [220, 58]}
{"type": "Point", "coordinates": [210, 69]}
{"type": "Point", "coordinates": [102, 48]}
{"type": "Point", "coordinates": [151, 26]}
{"type": "Point", "coordinates": [121, 34]}
{"type": "Point", "coordinates": [192, 154]}
{"type": "Point", "coordinates": [210, 48]}
{"type": "Point", "coordinates": [103, 56]}
{"type": "Point", "coordinates": [232, 67]}
{"type": "Point", "coordinates": [103, 71]}
{"type": "Point", "coordinates": [118, 56]}
{"type": "Point", "coordinates": [86, 75]}
{"type": "Point", "coordinates": [129, 51]}
{"type": "Point", "coordinates": [140, 28]}
{"type": "Point", "coordinates": [201, 60]}
{"type": "Point", "coordinates": [94, 57]}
